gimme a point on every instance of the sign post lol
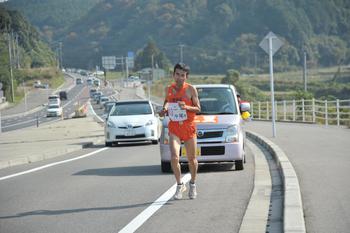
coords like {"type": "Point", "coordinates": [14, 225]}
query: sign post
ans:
{"type": "Point", "coordinates": [108, 63]}
{"type": "Point", "coordinates": [270, 44]}
{"type": "Point", "coordinates": [1, 95]}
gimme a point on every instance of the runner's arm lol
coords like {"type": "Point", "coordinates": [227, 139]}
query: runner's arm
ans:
{"type": "Point", "coordinates": [195, 101]}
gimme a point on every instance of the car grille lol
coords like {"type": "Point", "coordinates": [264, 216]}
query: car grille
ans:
{"type": "Point", "coordinates": [129, 137]}
{"type": "Point", "coordinates": [212, 150]}
{"type": "Point", "coordinates": [134, 127]}
{"type": "Point", "coordinates": [209, 134]}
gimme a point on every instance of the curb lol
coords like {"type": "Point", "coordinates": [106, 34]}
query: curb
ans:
{"type": "Point", "coordinates": [293, 213]}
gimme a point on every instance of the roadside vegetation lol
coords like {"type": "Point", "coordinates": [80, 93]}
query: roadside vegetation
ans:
{"type": "Point", "coordinates": [323, 83]}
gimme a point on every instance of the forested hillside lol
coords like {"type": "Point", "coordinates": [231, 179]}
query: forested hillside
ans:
{"type": "Point", "coordinates": [216, 34]}
{"type": "Point", "coordinates": [27, 48]}
{"type": "Point", "coordinates": [52, 16]}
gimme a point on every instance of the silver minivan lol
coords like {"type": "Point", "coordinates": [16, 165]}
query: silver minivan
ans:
{"type": "Point", "coordinates": [220, 133]}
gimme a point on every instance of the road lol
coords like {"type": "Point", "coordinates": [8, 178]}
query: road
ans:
{"type": "Point", "coordinates": [106, 191]}
{"type": "Point", "coordinates": [33, 112]}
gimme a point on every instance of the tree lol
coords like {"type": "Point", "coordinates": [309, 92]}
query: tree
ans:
{"type": "Point", "coordinates": [232, 76]}
{"type": "Point", "coordinates": [144, 58]}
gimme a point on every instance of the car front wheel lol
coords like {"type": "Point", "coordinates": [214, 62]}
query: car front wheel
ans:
{"type": "Point", "coordinates": [108, 144]}
{"type": "Point", "coordinates": [239, 165]}
{"type": "Point", "coordinates": [166, 167]}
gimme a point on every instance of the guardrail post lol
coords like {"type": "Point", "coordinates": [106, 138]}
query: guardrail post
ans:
{"type": "Point", "coordinates": [267, 111]}
{"type": "Point", "coordinates": [284, 110]}
{"type": "Point", "coordinates": [313, 111]}
{"type": "Point", "coordinates": [303, 109]}
{"type": "Point", "coordinates": [276, 111]}
{"type": "Point", "coordinates": [259, 110]}
{"type": "Point", "coordinates": [0, 123]}
{"type": "Point", "coordinates": [293, 110]}
{"type": "Point", "coordinates": [37, 121]}
{"type": "Point", "coordinates": [326, 112]}
{"type": "Point", "coordinates": [338, 117]}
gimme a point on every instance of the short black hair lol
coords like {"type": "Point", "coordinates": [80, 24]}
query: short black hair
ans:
{"type": "Point", "coordinates": [183, 67]}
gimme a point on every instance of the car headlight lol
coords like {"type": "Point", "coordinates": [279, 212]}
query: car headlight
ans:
{"type": "Point", "coordinates": [110, 124]}
{"type": "Point", "coordinates": [232, 134]}
{"type": "Point", "coordinates": [165, 135]}
{"type": "Point", "coordinates": [150, 122]}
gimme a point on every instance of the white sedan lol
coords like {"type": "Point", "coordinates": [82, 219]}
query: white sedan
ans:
{"type": "Point", "coordinates": [54, 110]}
{"type": "Point", "coordinates": [132, 121]}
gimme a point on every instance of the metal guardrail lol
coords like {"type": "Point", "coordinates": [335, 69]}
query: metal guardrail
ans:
{"type": "Point", "coordinates": [325, 112]}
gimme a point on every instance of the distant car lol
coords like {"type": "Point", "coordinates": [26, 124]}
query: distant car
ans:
{"type": "Point", "coordinates": [79, 81]}
{"type": "Point", "coordinates": [54, 110]}
{"type": "Point", "coordinates": [89, 81]}
{"type": "Point", "coordinates": [103, 100]}
{"type": "Point", "coordinates": [97, 82]}
{"type": "Point", "coordinates": [92, 92]}
{"type": "Point", "coordinates": [132, 121]}
{"type": "Point", "coordinates": [37, 84]}
{"type": "Point", "coordinates": [54, 100]}
{"type": "Point", "coordinates": [97, 96]}
{"type": "Point", "coordinates": [63, 95]}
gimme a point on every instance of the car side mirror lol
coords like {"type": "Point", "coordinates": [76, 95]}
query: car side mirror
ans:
{"type": "Point", "coordinates": [245, 107]}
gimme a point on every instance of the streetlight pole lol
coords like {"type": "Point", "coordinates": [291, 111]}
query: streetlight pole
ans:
{"type": "Point", "coordinates": [305, 72]}
{"type": "Point", "coordinates": [10, 60]}
{"type": "Point", "coordinates": [181, 52]}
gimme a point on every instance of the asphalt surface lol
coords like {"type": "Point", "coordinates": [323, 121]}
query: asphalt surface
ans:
{"type": "Point", "coordinates": [104, 192]}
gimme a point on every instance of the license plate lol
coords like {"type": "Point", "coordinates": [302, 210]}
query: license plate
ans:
{"type": "Point", "coordinates": [129, 133]}
{"type": "Point", "coordinates": [184, 153]}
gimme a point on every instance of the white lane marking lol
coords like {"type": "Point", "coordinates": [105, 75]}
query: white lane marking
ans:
{"type": "Point", "coordinates": [52, 164]}
{"type": "Point", "coordinates": [157, 204]}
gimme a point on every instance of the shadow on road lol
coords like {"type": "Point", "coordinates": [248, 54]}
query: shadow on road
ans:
{"type": "Point", "coordinates": [69, 211]}
{"type": "Point", "coordinates": [150, 170]}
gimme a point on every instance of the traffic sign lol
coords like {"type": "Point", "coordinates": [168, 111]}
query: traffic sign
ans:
{"type": "Point", "coordinates": [109, 62]}
{"type": "Point", "coordinates": [130, 60]}
{"type": "Point", "coordinates": [270, 44]}
{"type": "Point", "coordinates": [276, 43]}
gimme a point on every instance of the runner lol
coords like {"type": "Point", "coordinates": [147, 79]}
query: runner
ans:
{"type": "Point", "coordinates": [181, 104]}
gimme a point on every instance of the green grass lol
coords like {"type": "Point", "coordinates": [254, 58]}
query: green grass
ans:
{"type": "Point", "coordinates": [112, 75]}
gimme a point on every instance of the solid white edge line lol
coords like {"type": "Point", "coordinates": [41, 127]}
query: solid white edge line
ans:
{"type": "Point", "coordinates": [157, 204]}
{"type": "Point", "coordinates": [52, 164]}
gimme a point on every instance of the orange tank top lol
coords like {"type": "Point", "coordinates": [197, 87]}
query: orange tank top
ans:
{"type": "Point", "coordinates": [175, 95]}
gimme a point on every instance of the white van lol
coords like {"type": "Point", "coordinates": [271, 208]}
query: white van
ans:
{"type": "Point", "coordinates": [54, 100]}
{"type": "Point", "coordinates": [220, 133]}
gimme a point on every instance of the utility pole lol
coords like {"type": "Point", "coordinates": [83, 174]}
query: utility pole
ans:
{"type": "Point", "coordinates": [60, 55]}
{"type": "Point", "coordinates": [149, 81]}
{"type": "Point", "coordinates": [305, 72]}
{"type": "Point", "coordinates": [17, 53]}
{"type": "Point", "coordinates": [181, 52]}
{"type": "Point", "coordinates": [10, 60]}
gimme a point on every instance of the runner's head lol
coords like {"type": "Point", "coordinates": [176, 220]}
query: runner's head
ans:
{"type": "Point", "coordinates": [182, 66]}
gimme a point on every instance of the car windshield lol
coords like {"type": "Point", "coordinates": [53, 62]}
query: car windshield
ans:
{"type": "Point", "coordinates": [216, 101]}
{"type": "Point", "coordinates": [132, 108]}
{"type": "Point", "coordinates": [108, 107]}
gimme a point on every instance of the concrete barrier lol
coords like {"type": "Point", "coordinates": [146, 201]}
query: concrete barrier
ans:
{"type": "Point", "coordinates": [293, 213]}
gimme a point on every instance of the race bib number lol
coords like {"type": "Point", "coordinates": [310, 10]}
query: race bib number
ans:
{"type": "Point", "coordinates": [175, 113]}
